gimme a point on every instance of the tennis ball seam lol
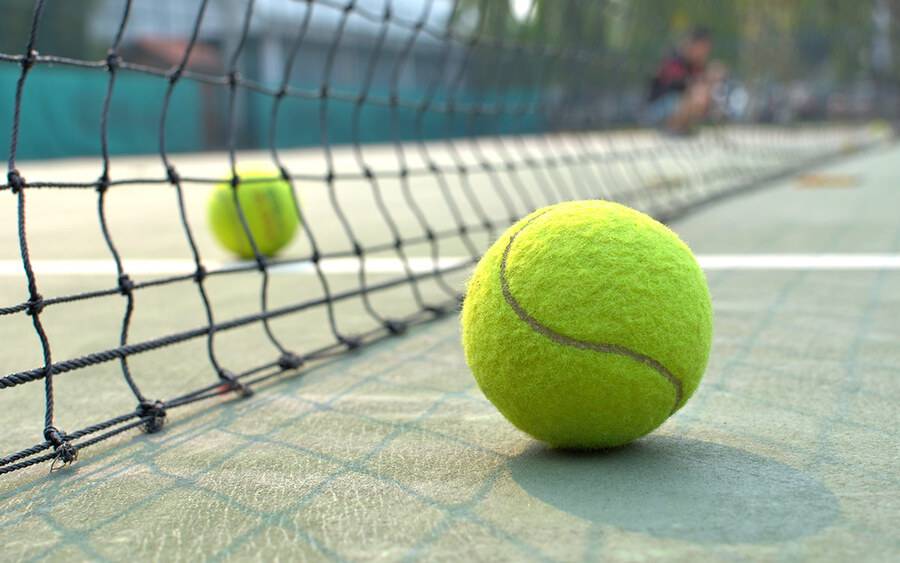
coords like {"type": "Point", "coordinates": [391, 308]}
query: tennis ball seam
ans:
{"type": "Point", "coordinates": [564, 340]}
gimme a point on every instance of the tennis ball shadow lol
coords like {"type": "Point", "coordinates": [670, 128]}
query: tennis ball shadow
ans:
{"type": "Point", "coordinates": [675, 487]}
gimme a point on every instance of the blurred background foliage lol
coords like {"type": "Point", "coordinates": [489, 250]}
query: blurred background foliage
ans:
{"type": "Point", "coordinates": [837, 40]}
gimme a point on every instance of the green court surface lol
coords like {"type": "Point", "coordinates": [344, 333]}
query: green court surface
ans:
{"type": "Point", "coordinates": [787, 451]}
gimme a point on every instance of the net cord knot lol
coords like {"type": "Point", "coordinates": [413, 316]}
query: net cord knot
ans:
{"type": "Point", "coordinates": [153, 413]}
{"type": "Point", "coordinates": [15, 180]}
{"type": "Point", "coordinates": [29, 59]}
{"type": "Point", "coordinates": [35, 305]}
{"type": "Point", "coordinates": [289, 361]}
{"type": "Point", "coordinates": [113, 60]}
{"type": "Point", "coordinates": [126, 284]}
{"type": "Point", "coordinates": [66, 453]}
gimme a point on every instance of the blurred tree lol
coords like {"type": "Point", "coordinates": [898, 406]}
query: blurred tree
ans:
{"type": "Point", "coordinates": [782, 41]}
{"type": "Point", "coordinates": [831, 37]}
{"type": "Point", "coordinates": [559, 29]}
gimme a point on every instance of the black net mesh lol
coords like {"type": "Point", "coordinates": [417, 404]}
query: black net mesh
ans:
{"type": "Point", "coordinates": [427, 128]}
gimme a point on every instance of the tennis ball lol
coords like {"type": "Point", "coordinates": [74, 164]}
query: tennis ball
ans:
{"type": "Point", "coordinates": [587, 324]}
{"type": "Point", "coordinates": [880, 128]}
{"type": "Point", "coordinates": [268, 207]}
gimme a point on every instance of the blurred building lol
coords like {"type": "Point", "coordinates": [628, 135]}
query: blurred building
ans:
{"type": "Point", "coordinates": [157, 33]}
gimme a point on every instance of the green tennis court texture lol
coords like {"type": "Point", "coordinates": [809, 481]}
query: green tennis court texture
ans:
{"type": "Point", "coordinates": [786, 452]}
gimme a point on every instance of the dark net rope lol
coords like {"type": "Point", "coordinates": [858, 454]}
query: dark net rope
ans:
{"type": "Point", "coordinates": [499, 156]}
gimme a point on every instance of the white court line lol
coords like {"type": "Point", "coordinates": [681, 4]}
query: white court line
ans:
{"type": "Point", "coordinates": [380, 265]}
{"type": "Point", "coordinates": [799, 261]}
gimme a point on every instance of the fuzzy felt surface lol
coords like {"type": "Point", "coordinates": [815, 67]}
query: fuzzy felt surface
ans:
{"type": "Point", "coordinates": [268, 209]}
{"type": "Point", "coordinates": [587, 324]}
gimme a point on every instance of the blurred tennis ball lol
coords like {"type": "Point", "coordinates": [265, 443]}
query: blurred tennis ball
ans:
{"type": "Point", "coordinates": [880, 128]}
{"type": "Point", "coordinates": [587, 324]}
{"type": "Point", "coordinates": [267, 203]}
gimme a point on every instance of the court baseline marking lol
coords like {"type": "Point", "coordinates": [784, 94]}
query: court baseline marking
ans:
{"type": "Point", "coordinates": [389, 265]}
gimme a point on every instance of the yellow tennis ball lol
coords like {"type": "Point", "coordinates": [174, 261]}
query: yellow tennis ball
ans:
{"type": "Point", "coordinates": [268, 206]}
{"type": "Point", "coordinates": [587, 324]}
{"type": "Point", "coordinates": [880, 128]}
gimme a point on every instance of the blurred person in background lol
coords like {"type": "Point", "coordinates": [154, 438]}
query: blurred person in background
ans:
{"type": "Point", "coordinates": [681, 90]}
